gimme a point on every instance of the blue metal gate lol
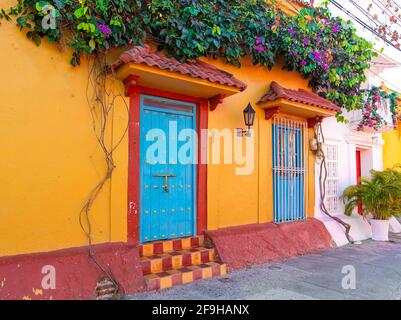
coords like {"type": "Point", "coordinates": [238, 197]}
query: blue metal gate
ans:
{"type": "Point", "coordinates": [289, 170]}
{"type": "Point", "coordinates": [167, 169]}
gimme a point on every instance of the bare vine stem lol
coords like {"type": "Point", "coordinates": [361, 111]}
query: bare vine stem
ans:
{"type": "Point", "coordinates": [323, 175]}
{"type": "Point", "coordinates": [101, 103]}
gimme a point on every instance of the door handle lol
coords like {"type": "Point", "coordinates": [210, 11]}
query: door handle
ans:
{"type": "Point", "coordinates": [165, 176]}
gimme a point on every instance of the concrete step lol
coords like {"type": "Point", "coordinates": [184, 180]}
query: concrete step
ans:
{"type": "Point", "coordinates": [176, 260]}
{"type": "Point", "coordinates": [184, 275]}
{"type": "Point", "coordinates": [167, 246]}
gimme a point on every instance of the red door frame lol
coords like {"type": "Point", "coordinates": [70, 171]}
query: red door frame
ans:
{"type": "Point", "coordinates": [134, 93]}
{"type": "Point", "coordinates": [358, 174]}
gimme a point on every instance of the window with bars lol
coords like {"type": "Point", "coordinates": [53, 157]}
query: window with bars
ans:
{"type": "Point", "coordinates": [332, 201]}
{"type": "Point", "coordinates": [290, 171]}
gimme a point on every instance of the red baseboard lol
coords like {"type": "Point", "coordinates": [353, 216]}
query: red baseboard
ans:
{"type": "Point", "coordinates": [76, 275]}
{"type": "Point", "coordinates": [248, 245]}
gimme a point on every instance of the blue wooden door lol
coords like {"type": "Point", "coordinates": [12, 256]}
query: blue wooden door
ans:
{"type": "Point", "coordinates": [167, 169]}
{"type": "Point", "coordinates": [289, 171]}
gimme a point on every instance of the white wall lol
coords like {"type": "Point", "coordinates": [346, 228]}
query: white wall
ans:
{"type": "Point", "coordinates": [348, 141]}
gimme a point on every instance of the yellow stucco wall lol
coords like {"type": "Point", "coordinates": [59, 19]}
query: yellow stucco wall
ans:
{"type": "Point", "coordinates": [392, 141]}
{"type": "Point", "coordinates": [392, 147]}
{"type": "Point", "coordinates": [50, 159]}
{"type": "Point", "coordinates": [237, 200]}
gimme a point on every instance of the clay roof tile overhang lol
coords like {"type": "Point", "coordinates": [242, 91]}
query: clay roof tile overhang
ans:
{"type": "Point", "coordinates": [299, 102]}
{"type": "Point", "coordinates": [193, 78]}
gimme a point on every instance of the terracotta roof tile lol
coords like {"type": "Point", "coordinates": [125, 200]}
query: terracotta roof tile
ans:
{"type": "Point", "coordinates": [196, 69]}
{"type": "Point", "coordinates": [300, 96]}
{"type": "Point", "coordinates": [306, 4]}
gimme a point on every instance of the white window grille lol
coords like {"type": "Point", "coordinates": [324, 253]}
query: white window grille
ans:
{"type": "Point", "coordinates": [290, 170]}
{"type": "Point", "coordinates": [332, 201]}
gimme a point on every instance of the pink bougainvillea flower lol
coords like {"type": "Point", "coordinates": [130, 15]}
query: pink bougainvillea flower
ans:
{"type": "Point", "coordinates": [306, 41]}
{"type": "Point", "coordinates": [303, 63]}
{"type": "Point", "coordinates": [316, 55]}
{"type": "Point", "coordinates": [336, 28]}
{"type": "Point", "coordinates": [260, 48]}
{"type": "Point", "coordinates": [259, 40]}
{"type": "Point", "coordinates": [104, 29]}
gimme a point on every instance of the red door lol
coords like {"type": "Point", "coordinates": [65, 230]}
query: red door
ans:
{"type": "Point", "coordinates": [358, 174]}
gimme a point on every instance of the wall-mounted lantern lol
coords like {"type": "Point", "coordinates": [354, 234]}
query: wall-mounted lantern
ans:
{"type": "Point", "coordinates": [375, 139]}
{"type": "Point", "coordinates": [249, 120]}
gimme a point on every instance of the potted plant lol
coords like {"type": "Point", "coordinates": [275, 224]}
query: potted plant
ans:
{"type": "Point", "coordinates": [379, 196]}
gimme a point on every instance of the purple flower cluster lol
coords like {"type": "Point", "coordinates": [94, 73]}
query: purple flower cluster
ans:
{"type": "Point", "coordinates": [104, 29]}
{"type": "Point", "coordinates": [259, 44]}
{"type": "Point", "coordinates": [260, 48]}
{"type": "Point", "coordinates": [321, 57]}
{"type": "Point", "coordinates": [317, 55]}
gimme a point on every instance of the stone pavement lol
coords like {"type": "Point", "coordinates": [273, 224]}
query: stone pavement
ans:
{"type": "Point", "coordinates": [377, 268]}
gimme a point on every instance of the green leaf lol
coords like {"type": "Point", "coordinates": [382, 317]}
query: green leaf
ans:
{"type": "Point", "coordinates": [80, 12]}
{"type": "Point", "coordinates": [92, 44]}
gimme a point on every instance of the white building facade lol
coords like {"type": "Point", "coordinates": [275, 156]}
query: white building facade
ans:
{"type": "Point", "coordinates": [349, 155]}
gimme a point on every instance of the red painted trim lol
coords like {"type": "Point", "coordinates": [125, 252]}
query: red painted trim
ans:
{"type": "Point", "coordinates": [312, 122]}
{"type": "Point", "coordinates": [133, 168]}
{"type": "Point", "coordinates": [216, 100]}
{"type": "Point", "coordinates": [134, 165]}
{"type": "Point", "coordinates": [130, 84]}
{"type": "Point", "coordinates": [201, 221]}
{"type": "Point", "coordinates": [358, 174]}
{"type": "Point", "coordinates": [358, 167]}
{"type": "Point", "coordinates": [269, 113]}
{"type": "Point", "coordinates": [167, 94]}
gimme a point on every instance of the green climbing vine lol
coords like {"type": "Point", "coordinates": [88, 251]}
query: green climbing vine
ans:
{"type": "Point", "coordinates": [327, 51]}
{"type": "Point", "coordinates": [324, 49]}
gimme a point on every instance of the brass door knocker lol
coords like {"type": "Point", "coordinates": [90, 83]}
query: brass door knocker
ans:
{"type": "Point", "coordinates": [166, 176]}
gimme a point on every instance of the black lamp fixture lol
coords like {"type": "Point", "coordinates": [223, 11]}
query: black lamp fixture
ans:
{"type": "Point", "coordinates": [249, 119]}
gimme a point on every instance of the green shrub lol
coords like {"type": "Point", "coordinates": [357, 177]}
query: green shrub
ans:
{"type": "Point", "coordinates": [379, 195]}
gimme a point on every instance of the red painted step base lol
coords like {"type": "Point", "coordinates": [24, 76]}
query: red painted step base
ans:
{"type": "Point", "coordinates": [75, 273]}
{"type": "Point", "coordinates": [239, 247]}
{"type": "Point", "coordinates": [176, 262]}
{"type": "Point", "coordinates": [164, 280]}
